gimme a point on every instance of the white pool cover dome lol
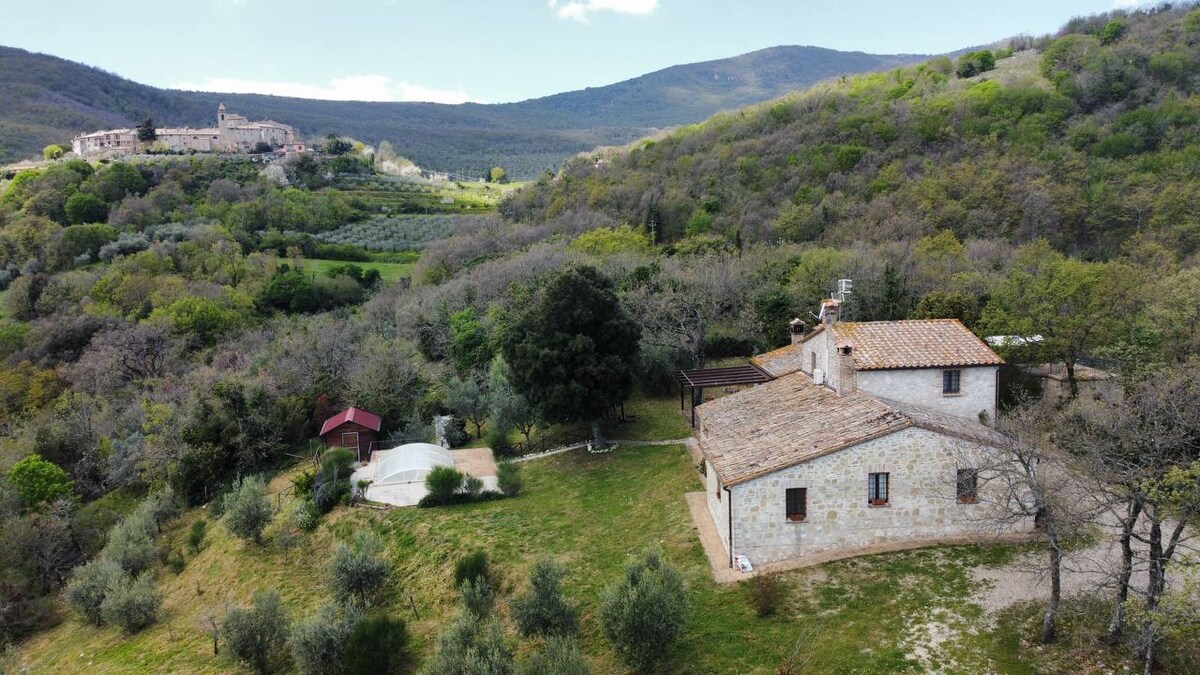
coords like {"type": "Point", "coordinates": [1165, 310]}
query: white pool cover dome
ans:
{"type": "Point", "coordinates": [411, 463]}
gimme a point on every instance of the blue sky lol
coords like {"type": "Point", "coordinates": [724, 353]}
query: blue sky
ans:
{"type": "Point", "coordinates": [488, 51]}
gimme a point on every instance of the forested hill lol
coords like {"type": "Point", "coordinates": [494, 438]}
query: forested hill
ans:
{"type": "Point", "coordinates": [48, 100]}
{"type": "Point", "coordinates": [1087, 138]}
{"type": "Point", "coordinates": [692, 92]}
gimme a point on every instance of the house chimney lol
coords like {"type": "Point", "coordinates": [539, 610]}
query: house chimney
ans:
{"type": "Point", "coordinates": [796, 328]}
{"type": "Point", "coordinates": [847, 381]}
{"type": "Point", "coordinates": [829, 311]}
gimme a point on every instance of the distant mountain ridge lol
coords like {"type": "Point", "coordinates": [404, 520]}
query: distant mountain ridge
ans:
{"type": "Point", "coordinates": [45, 99]}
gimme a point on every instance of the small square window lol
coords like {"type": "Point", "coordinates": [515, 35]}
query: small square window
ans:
{"type": "Point", "coordinates": [797, 503]}
{"type": "Point", "coordinates": [968, 486]}
{"type": "Point", "coordinates": [951, 382]}
{"type": "Point", "coordinates": [877, 489]}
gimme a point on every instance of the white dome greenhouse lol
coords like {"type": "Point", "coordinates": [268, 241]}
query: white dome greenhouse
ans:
{"type": "Point", "coordinates": [410, 463]}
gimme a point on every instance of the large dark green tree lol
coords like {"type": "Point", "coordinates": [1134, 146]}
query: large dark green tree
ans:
{"type": "Point", "coordinates": [146, 133]}
{"type": "Point", "coordinates": [573, 352]}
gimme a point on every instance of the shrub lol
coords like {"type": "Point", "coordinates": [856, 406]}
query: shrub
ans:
{"type": "Point", "coordinates": [131, 543]}
{"type": "Point", "coordinates": [377, 646]}
{"type": "Point", "coordinates": [162, 506]}
{"type": "Point", "coordinates": [304, 483]}
{"type": "Point", "coordinates": [974, 63]}
{"type": "Point", "coordinates": [247, 510]}
{"type": "Point", "coordinates": [305, 516]}
{"type": "Point", "coordinates": [559, 656]}
{"type": "Point", "coordinates": [469, 645]}
{"type": "Point", "coordinates": [765, 592]}
{"type": "Point", "coordinates": [195, 538]}
{"type": "Point", "coordinates": [478, 597]}
{"type": "Point", "coordinates": [358, 573]}
{"type": "Point", "coordinates": [473, 487]}
{"type": "Point", "coordinates": [318, 643]}
{"type": "Point", "coordinates": [337, 463]}
{"type": "Point", "coordinates": [85, 207]}
{"type": "Point", "coordinates": [543, 610]}
{"type": "Point", "coordinates": [1113, 32]}
{"type": "Point", "coordinates": [657, 367]}
{"type": "Point", "coordinates": [176, 561]}
{"type": "Point", "coordinates": [470, 567]}
{"type": "Point", "coordinates": [643, 615]}
{"type": "Point", "coordinates": [496, 439]}
{"type": "Point", "coordinates": [721, 342]}
{"type": "Point", "coordinates": [333, 481]}
{"type": "Point", "coordinates": [131, 604]}
{"type": "Point", "coordinates": [39, 481]}
{"type": "Point", "coordinates": [509, 478]}
{"type": "Point", "coordinates": [442, 482]}
{"type": "Point", "coordinates": [257, 635]}
{"type": "Point", "coordinates": [89, 584]}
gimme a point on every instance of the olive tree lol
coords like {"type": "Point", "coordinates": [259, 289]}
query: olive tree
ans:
{"type": "Point", "coordinates": [257, 635]}
{"type": "Point", "coordinates": [358, 572]}
{"type": "Point", "coordinates": [543, 610]}
{"type": "Point", "coordinates": [643, 615]}
{"type": "Point", "coordinates": [247, 510]}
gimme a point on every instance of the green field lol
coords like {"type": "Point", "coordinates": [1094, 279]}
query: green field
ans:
{"type": "Point", "coordinates": [388, 271]}
{"type": "Point", "coordinates": [901, 612]}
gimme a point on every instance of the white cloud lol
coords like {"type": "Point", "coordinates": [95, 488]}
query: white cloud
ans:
{"type": "Point", "coordinates": [349, 88]}
{"type": "Point", "coordinates": [1132, 4]}
{"type": "Point", "coordinates": [579, 10]}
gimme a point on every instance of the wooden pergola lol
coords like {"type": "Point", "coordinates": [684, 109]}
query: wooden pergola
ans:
{"type": "Point", "coordinates": [699, 380]}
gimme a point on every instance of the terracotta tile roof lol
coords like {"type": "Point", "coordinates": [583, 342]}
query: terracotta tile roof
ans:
{"type": "Point", "coordinates": [786, 422]}
{"type": "Point", "coordinates": [792, 420]}
{"type": "Point", "coordinates": [780, 362]}
{"type": "Point", "coordinates": [356, 415]}
{"type": "Point", "coordinates": [924, 343]}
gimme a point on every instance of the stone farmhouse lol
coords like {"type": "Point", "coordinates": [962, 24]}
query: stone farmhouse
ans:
{"type": "Point", "coordinates": [862, 440]}
{"type": "Point", "coordinates": [233, 133]}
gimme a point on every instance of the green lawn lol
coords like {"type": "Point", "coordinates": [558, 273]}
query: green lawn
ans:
{"type": "Point", "coordinates": [388, 271]}
{"type": "Point", "coordinates": [892, 613]}
{"type": "Point", "coordinates": [588, 512]}
{"type": "Point", "coordinates": [654, 419]}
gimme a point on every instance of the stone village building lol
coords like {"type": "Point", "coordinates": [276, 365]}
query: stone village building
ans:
{"type": "Point", "coordinates": [233, 133]}
{"type": "Point", "coordinates": [861, 442]}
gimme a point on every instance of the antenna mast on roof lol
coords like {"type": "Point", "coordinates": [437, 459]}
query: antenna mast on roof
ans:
{"type": "Point", "coordinates": [845, 288]}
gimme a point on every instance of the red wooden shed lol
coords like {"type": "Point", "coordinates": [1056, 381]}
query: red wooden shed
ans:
{"type": "Point", "coordinates": [354, 429]}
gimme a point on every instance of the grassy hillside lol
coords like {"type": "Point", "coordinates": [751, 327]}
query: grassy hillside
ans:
{"type": "Point", "coordinates": [589, 513]}
{"type": "Point", "coordinates": [1087, 141]}
{"type": "Point", "coordinates": [49, 100]}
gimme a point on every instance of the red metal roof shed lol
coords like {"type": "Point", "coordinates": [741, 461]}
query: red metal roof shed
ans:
{"type": "Point", "coordinates": [351, 414]}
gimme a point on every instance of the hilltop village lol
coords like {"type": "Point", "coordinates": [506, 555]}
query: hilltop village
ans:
{"type": "Point", "coordinates": [233, 133]}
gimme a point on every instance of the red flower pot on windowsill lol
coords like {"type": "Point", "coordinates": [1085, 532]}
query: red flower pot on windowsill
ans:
{"type": "Point", "coordinates": [878, 502]}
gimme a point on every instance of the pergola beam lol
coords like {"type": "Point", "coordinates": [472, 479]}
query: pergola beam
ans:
{"type": "Point", "coordinates": [701, 379]}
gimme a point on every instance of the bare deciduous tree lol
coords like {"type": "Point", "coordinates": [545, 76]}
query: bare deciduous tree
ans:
{"type": "Point", "coordinates": [1140, 451]}
{"type": "Point", "coordinates": [1027, 478]}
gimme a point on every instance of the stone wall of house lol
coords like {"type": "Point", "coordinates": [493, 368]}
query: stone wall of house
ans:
{"type": "Point", "coordinates": [819, 346]}
{"type": "Point", "coordinates": [718, 505]}
{"type": "Point", "coordinates": [922, 467]}
{"type": "Point", "coordinates": [245, 137]}
{"type": "Point", "coordinates": [182, 140]}
{"type": "Point", "coordinates": [923, 386]}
